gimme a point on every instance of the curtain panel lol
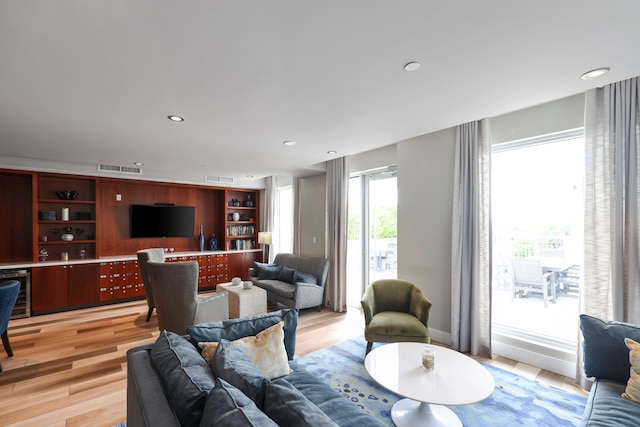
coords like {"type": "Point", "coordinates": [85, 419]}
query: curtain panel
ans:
{"type": "Point", "coordinates": [611, 278]}
{"type": "Point", "coordinates": [295, 190]}
{"type": "Point", "coordinates": [269, 208]}
{"type": "Point", "coordinates": [471, 240]}
{"type": "Point", "coordinates": [336, 220]}
{"type": "Point", "coordinates": [611, 273]}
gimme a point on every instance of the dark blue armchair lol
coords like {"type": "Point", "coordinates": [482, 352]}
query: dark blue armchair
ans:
{"type": "Point", "coordinates": [8, 295]}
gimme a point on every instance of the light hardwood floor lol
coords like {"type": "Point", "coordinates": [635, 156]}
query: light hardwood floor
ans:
{"type": "Point", "coordinates": [69, 369]}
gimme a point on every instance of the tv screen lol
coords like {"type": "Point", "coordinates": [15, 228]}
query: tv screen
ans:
{"type": "Point", "coordinates": [162, 221]}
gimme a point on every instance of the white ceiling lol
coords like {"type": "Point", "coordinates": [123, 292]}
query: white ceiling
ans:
{"type": "Point", "coordinates": [93, 81]}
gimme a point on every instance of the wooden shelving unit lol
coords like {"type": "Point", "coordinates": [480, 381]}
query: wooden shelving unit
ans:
{"type": "Point", "coordinates": [80, 220]}
{"type": "Point", "coordinates": [241, 221]}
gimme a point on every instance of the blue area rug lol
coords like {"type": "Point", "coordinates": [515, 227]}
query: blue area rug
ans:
{"type": "Point", "coordinates": [516, 401]}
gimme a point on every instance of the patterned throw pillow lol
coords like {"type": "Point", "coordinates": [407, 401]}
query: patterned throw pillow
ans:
{"type": "Point", "coordinates": [266, 350]}
{"type": "Point", "coordinates": [632, 392]}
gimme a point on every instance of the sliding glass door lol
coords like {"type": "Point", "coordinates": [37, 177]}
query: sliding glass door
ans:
{"type": "Point", "coordinates": [537, 212]}
{"type": "Point", "coordinates": [373, 231]}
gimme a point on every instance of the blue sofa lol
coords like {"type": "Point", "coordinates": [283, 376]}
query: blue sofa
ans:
{"type": "Point", "coordinates": [170, 384]}
{"type": "Point", "coordinates": [606, 358]}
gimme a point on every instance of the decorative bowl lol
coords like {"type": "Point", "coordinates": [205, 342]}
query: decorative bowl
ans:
{"type": "Point", "coordinates": [67, 194]}
{"type": "Point", "coordinates": [236, 281]}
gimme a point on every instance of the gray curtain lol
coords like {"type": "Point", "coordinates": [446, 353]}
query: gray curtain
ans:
{"type": "Point", "coordinates": [337, 192]}
{"type": "Point", "coordinates": [269, 208]}
{"type": "Point", "coordinates": [611, 278]}
{"type": "Point", "coordinates": [295, 190]}
{"type": "Point", "coordinates": [471, 241]}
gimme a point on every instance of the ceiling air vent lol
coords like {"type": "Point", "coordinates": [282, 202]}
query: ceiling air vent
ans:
{"type": "Point", "coordinates": [218, 179]}
{"type": "Point", "coordinates": [119, 169]}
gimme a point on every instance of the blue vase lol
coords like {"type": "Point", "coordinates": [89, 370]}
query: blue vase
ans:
{"type": "Point", "coordinates": [201, 240]}
{"type": "Point", "coordinates": [213, 243]}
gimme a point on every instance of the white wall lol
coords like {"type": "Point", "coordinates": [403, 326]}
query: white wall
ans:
{"type": "Point", "coordinates": [312, 215]}
{"type": "Point", "coordinates": [552, 117]}
{"type": "Point", "coordinates": [373, 159]}
{"type": "Point", "coordinates": [425, 194]}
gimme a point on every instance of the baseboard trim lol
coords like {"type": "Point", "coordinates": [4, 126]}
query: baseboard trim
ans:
{"type": "Point", "coordinates": [565, 364]}
{"type": "Point", "coordinates": [555, 360]}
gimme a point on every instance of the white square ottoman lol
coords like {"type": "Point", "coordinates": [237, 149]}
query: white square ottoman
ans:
{"type": "Point", "coordinates": [244, 302]}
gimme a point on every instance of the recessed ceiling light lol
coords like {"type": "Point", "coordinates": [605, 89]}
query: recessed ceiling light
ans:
{"type": "Point", "coordinates": [412, 66]}
{"type": "Point", "coordinates": [289, 143]}
{"type": "Point", "coordinates": [594, 73]}
{"type": "Point", "coordinates": [138, 163]}
{"type": "Point", "coordinates": [332, 152]}
{"type": "Point", "coordinates": [175, 118]}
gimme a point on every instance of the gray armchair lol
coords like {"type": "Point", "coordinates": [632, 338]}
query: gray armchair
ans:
{"type": "Point", "coordinates": [145, 255]}
{"type": "Point", "coordinates": [394, 311]}
{"type": "Point", "coordinates": [175, 292]}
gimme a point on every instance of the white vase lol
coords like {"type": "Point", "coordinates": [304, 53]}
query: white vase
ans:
{"type": "Point", "coordinates": [236, 216]}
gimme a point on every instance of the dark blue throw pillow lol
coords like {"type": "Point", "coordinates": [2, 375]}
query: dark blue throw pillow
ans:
{"type": "Point", "coordinates": [287, 275]}
{"type": "Point", "coordinates": [185, 375]}
{"type": "Point", "coordinates": [605, 354]}
{"type": "Point", "coordinates": [307, 278]}
{"type": "Point", "coordinates": [232, 364]}
{"type": "Point", "coordinates": [229, 407]}
{"type": "Point", "coordinates": [287, 406]}
{"type": "Point", "coordinates": [266, 271]}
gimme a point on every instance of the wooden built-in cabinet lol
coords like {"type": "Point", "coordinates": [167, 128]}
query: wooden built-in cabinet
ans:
{"type": "Point", "coordinates": [120, 280]}
{"type": "Point", "coordinates": [96, 223]}
{"type": "Point", "coordinates": [63, 286]}
{"type": "Point", "coordinates": [213, 268]}
{"type": "Point", "coordinates": [240, 262]}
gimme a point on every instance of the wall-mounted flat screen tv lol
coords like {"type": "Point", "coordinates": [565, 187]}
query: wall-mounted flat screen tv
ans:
{"type": "Point", "coordinates": [162, 220]}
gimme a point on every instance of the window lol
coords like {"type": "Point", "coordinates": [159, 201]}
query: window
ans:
{"type": "Point", "coordinates": [283, 223]}
{"type": "Point", "coordinates": [537, 211]}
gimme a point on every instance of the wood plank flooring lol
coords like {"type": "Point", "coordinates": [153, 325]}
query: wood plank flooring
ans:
{"type": "Point", "coordinates": [69, 369]}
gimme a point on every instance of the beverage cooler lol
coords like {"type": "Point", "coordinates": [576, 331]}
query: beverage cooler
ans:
{"type": "Point", "coordinates": [23, 304]}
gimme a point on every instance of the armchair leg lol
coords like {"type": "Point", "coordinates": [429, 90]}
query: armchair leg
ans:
{"type": "Point", "coordinates": [5, 342]}
{"type": "Point", "coordinates": [149, 314]}
{"type": "Point", "coordinates": [369, 345]}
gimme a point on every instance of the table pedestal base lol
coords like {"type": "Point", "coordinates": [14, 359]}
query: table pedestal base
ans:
{"type": "Point", "coordinates": [411, 413]}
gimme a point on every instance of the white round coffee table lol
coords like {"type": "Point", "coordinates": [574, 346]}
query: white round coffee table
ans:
{"type": "Point", "coordinates": [456, 380]}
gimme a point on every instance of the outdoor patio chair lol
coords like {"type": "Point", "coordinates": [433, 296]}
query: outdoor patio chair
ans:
{"type": "Point", "coordinates": [529, 280]}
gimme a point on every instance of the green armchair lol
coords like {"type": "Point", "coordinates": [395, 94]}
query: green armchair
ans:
{"type": "Point", "coordinates": [394, 311]}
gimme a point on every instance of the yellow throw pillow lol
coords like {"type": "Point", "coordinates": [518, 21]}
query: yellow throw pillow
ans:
{"type": "Point", "coordinates": [208, 350]}
{"type": "Point", "coordinates": [632, 392]}
{"type": "Point", "coordinates": [266, 350]}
